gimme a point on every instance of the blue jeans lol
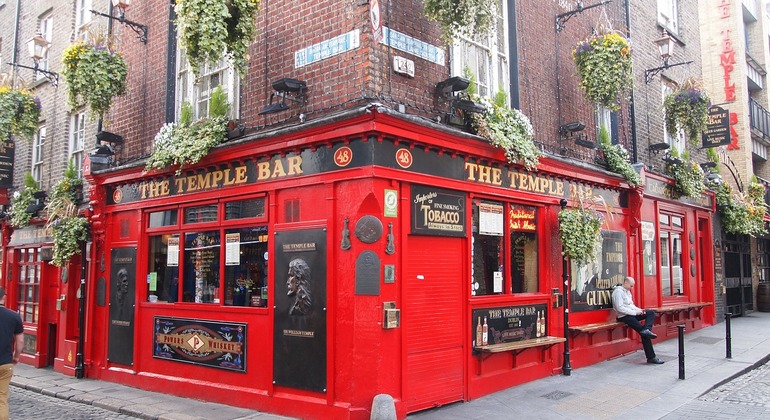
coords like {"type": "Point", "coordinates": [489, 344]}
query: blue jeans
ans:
{"type": "Point", "coordinates": [633, 322]}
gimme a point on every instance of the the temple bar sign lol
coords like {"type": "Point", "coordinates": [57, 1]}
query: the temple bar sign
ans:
{"type": "Point", "coordinates": [717, 131]}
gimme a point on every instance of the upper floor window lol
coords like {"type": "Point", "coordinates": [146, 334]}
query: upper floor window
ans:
{"type": "Point", "coordinates": [82, 15]}
{"type": "Point", "coordinates": [46, 30]}
{"type": "Point", "coordinates": [77, 141]}
{"type": "Point", "coordinates": [505, 257]}
{"type": "Point", "coordinates": [38, 153]}
{"type": "Point", "coordinates": [485, 56]}
{"type": "Point", "coordinates": [677, 141]}
{"type": "Point", "coordinates": [668, 16]}
{"type": "Point", "coordinates": [197, 91]}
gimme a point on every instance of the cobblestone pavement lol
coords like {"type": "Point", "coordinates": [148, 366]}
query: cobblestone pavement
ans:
{"type": "Point", "coordinates": [25, 404]}
{"type": "Point", "coordinates": [746, 397]}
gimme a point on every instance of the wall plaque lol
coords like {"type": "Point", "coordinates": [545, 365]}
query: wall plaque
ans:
{"type": "Point", "coordinates": [368, 274]}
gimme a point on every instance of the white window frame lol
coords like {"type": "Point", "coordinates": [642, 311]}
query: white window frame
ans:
{"type": "Point", "coordinates": [197, 91]}
{"type": "Point", "coordinates": [77, 141]}
{"type": "Point", "coordinates": [82, 16]}
{"type": "Point", "coordinates": [679, 141]}
{"type": "Point", "coordinates": [488, 57]}
{"type": "Point", "coordinates": [38, 153]}
{"type": "Point", "coordinates": [668, 15]}
{"type": "Point", "coordinates": [603, 119]}
{"type": "Point", "coordinates": [46, 30]}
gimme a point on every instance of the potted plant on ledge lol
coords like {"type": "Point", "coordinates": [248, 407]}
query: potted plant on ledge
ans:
{"type": "Point", "coordinates": [67, 229]}
{"type": "Point", "coordinates": [189, 141]}
{"type": "Point", "coordinates": [617, 159]}
{"type": "Point", "coordinates": [21, 202]}
{"type": "Point", "coordinates": [604, 65]}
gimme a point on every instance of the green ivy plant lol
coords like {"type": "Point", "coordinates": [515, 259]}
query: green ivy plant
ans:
{"type": "Point", "coordinates": [617, 159]}
{"type": "Point", "coordinates": [506, 128]}
{"type": "Point", "coordinates": [19, 112]}
{"type": "Point", "coordinates": [687, 109]}
{"type": "Point", "coordinates": [461, 17]}
{"type": "Point", "coordinates": [688, 176]}
{"type": "Point", "coordinates": [95, 73]}
{"type": "Point", "coordinates": [21, 200]}
{"type": "Point", "coordinates": [580, 229]}
{"type": "Point", "coordinates": [188, 142]}
{"type": "Point", "coordinates": [742, 213]}
{"type": "Point", "coordinates": [67, 229]}
{"type": "Point", "coordinates": [212, 29]}
{"type": "Point", "coordinates": [604, 65]}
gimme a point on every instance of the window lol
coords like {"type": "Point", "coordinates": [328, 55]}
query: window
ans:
{"type": "Point", "coordinates": [485, 57]}
{"type": "Point", "coordinates": [38, 153]}
{"type": "Point", "coordinates": [197, 92]}
{"type": "Point", "coordinates": [677, 142]}
{"type": "Point", "coordinates": [77, 141]}
{"type": "Point", "coordinates": [219, 264]}
{"type": "Point", "coordinates": [609, 120]}
{"type": "Point", "coordinates": [491, 221]}
{"type": "Point", "coordinates": [667, 15]}
{"type": "Point", "coordinates": [671, 273]}
{"type": "Point", "coordinates": [46, 30]}
{"type": "Point", "coordinates": [29, 263]}
{"type": "Point", "coordinates": [82, 15]}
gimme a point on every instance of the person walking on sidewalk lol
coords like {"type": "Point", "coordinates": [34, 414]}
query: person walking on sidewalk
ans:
{"type": "Point", "coordinates": [11, 341]}
{"type": "Point", "coordinates": [631, 315]}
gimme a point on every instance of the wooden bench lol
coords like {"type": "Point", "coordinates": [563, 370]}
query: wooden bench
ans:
{"type": "Point", "coordinates": [516, 347]}
{"type": "Point", "coordinates": [680, 307]}
{"type": "Point", "coordinates": [590, 329]}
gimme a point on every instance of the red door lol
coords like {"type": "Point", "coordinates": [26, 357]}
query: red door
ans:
{"type": "Point", "coordinates": [433, 321]}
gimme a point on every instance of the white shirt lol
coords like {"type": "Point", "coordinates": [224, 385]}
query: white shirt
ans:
{"type": "Point", "coordinates": [623, 302]}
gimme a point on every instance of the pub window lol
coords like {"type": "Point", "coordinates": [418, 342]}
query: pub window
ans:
{"type": "Point", "coordinates": [29, 262]}
{"type": "Point", "coordinates": [523, 224]}
{"type": "Point", "coordinates": [215, 265]}
{"type": "Point", "coordinates": [246, 267]}
{"type": "Point", "coordinates": [491, 250]}
{"type": "Point", "coordinates": [671, 273]}
{"type": "Point", "coordinates": [163, 218]}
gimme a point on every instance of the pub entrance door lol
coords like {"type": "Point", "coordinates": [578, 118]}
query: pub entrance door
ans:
{"type": "Point", "coordinates": [737, 266]}
{"type": "Point", "coordinates": [434, 338]}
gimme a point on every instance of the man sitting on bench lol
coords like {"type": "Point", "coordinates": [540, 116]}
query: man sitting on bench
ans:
{"type": "Point", "coordinates": [630, 314]}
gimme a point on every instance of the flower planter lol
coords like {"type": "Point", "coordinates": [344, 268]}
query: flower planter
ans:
{"type": "Point", "coordinates": [687, 109]}
{"type": "Point", "coordinates": [604, 65]}
{"type": "Point", "coordinates": [19, 112]}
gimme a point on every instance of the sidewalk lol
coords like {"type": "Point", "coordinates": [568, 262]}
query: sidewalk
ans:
{"type": "Point", "coordinates": [622, 387]}
{"type": "Point", "coordinates": [627, 387]}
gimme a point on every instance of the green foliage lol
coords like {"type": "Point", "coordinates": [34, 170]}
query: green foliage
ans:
{"type": "Point", "coordinates": [617, 159]}
{"type": "Point", "coordinates": [472, 86]}
{"type": "Point", "coordinates": [188, 142]}
{"type": "Point", "coordinates": [712, 155]}
{"type": "Point", "coordinates": [688, 176]}
{"type": "Point", "coordinates": [461, 17]}
{"type": "Point", "coordinates": [742, 213]}
{"type": "Point", "coordinates": [509, 129]}
{"type": "Point", "coordinates": [19, 112]}
{"type": "Point", "coordinates": [687, 109]}
{"type": "Point", "coordinates": [22, 199]}
{"type": "Point", "coordinates": [604, 65]}
{"type": "Point", "coordinates": [67, 229]}
{"type": "Point", "coordinates": [580, 228]}
{"type": "Point", "coordinates": [95, 74]}
{"type": "Point", "coordinates": [212, 29]}
{"type": "Point", "coordinates": [67, 187]}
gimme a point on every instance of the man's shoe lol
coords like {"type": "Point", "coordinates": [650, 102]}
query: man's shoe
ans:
{"type": "Point", "coordinates": [648, 334]}
{"type": "Point", "coordinates": [655, 361]}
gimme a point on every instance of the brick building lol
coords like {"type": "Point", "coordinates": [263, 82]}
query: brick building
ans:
{"type": "Point", "coordinates": [353, 241]}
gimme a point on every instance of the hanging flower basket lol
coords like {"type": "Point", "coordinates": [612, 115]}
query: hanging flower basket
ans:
{"type": "Point", "coordinates": [95, 75]}
{"type": "Point", "coordinates": [67, 229]}
{"type": "Point", "coordinates": [461, 17]}
{"type": "Point", "coordinates": [19, 112]}
{"type": "Point", "coordinates": [742, 213]}
{"type": "Point", "coordinates": [580, 233]}
{"type": "Point", "coordinates": [687, 109]}
{"type": "Point", "coordinates": [509, 129]}
{"type": "Point", "coordinates": [212, 29]}
{"type": "Point", "coordinates": [604, 65]}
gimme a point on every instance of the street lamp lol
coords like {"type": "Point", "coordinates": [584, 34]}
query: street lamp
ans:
{"type": "Point", "coordinates": [665, 46]}
{"type": "Point", "coordinates": [122, 5]}
{"type": "Point", "coordinates": [37, 47]}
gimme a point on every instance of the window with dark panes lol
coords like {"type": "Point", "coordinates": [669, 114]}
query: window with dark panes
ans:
{"type": "Point", "coordinates": [246, 267]}
{"type": "Point", "coordinates": [523, 224]}
{"type": "Point", "coordinates": [29, 262]}
{"type": "Point", "coordinates": [671, 273]}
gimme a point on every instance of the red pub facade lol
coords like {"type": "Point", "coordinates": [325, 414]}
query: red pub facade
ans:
{"type": "Point", "coordinates": [305, 267]}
